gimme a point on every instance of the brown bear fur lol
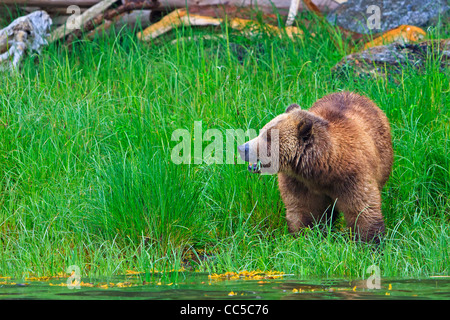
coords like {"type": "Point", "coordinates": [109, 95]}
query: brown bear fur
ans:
{"type": "Point", "coordinates": [337, 155]}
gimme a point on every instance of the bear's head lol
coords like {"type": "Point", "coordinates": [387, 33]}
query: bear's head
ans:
{"type": "Point", "coordinates": [282, 142]}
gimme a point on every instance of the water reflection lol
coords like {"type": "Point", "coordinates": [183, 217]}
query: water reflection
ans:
{"type": "Point", "coordinates": [198, 286]}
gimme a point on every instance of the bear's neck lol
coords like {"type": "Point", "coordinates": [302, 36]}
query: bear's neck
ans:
{"type": "Point", "coordinates": [313, 163]}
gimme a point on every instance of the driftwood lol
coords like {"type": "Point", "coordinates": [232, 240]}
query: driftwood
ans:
{"type": "Point", "coordinates": [267, 6]}
{"type": "Point", "coordinates": [64, 17]}
{"type": "Point", "coordinates": [59, 16]}
{"type": "Point", "coordinates": [214, 16]}
{"type": "Point", "coordinates": [23, 34]}
{"type": "Point", "coordinates": [110, 15]}
{"type": "Point", "coordinates": [181, 17]}
{"type": "Point", "coordinates": [237, 17]}
{"type": "Point", "coordinates": [100, 17]}
{"type": "Point", "coordinates": [81, 19]}
{"type": "Point", "coordinates": [293, 9]}
{"type": "Point", "coordinates": [134, 17]}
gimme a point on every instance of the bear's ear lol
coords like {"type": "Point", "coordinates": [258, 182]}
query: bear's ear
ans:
{"type": "Point", "coordinates": [292, 107]}
{"type": "Point", "coordinates": [305, 128]}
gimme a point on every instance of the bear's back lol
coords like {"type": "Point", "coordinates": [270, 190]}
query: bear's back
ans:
{"type": "Point", "coordinates": [358, 117]}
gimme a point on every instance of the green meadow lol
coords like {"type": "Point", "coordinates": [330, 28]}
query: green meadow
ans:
{"type": "Point", "coordinates": [87, 179]}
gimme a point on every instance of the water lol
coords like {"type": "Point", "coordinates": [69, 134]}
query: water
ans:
{"type": "Point", "coordinates": [197, 286]}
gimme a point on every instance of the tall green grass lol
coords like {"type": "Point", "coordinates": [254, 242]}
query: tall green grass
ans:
{"type": "Point", "coordinates": [87, 179]}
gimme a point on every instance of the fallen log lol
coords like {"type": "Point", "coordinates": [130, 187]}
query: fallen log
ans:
{"type": "Point", "coordinates": [23, 34]}
{"type": "Point", "coordinates": [110, 15]}
{"type": "Point", "coordinates": [63, 17]}
{"type": "Point", "coordinates": [92, 12]}
{"type": "Point", "coordinates": [181, 17]}
{"type": "Point", "coordinates": [267, 6]}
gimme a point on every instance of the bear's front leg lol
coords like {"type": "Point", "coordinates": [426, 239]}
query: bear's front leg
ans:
{"type": "Point", "coordinates": [362, 212]}
{"type": "Point", "coordinates": [303, 207]}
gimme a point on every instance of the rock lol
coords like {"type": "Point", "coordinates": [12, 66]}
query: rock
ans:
{"type": "Point", "coordinates": [376, 61]}
{"type": "Point", "coordinates": [355, 16]}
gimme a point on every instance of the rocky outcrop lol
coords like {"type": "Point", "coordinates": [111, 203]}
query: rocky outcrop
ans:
{"type": "Point", "coordinates": [392, 58]}
{"type": "Point", "coordinates": [358, 15]}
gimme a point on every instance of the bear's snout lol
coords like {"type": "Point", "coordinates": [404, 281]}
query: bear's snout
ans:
{"type": "Point", "coordinates": [244, 152]}
{"type": "Point", "coordinates": [248, 156]}
{"type": "Point", "coordinates": [248, 152]}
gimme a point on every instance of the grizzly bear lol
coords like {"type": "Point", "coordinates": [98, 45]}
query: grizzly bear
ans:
{"type": "Point", "coordinates": [335, 157]}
